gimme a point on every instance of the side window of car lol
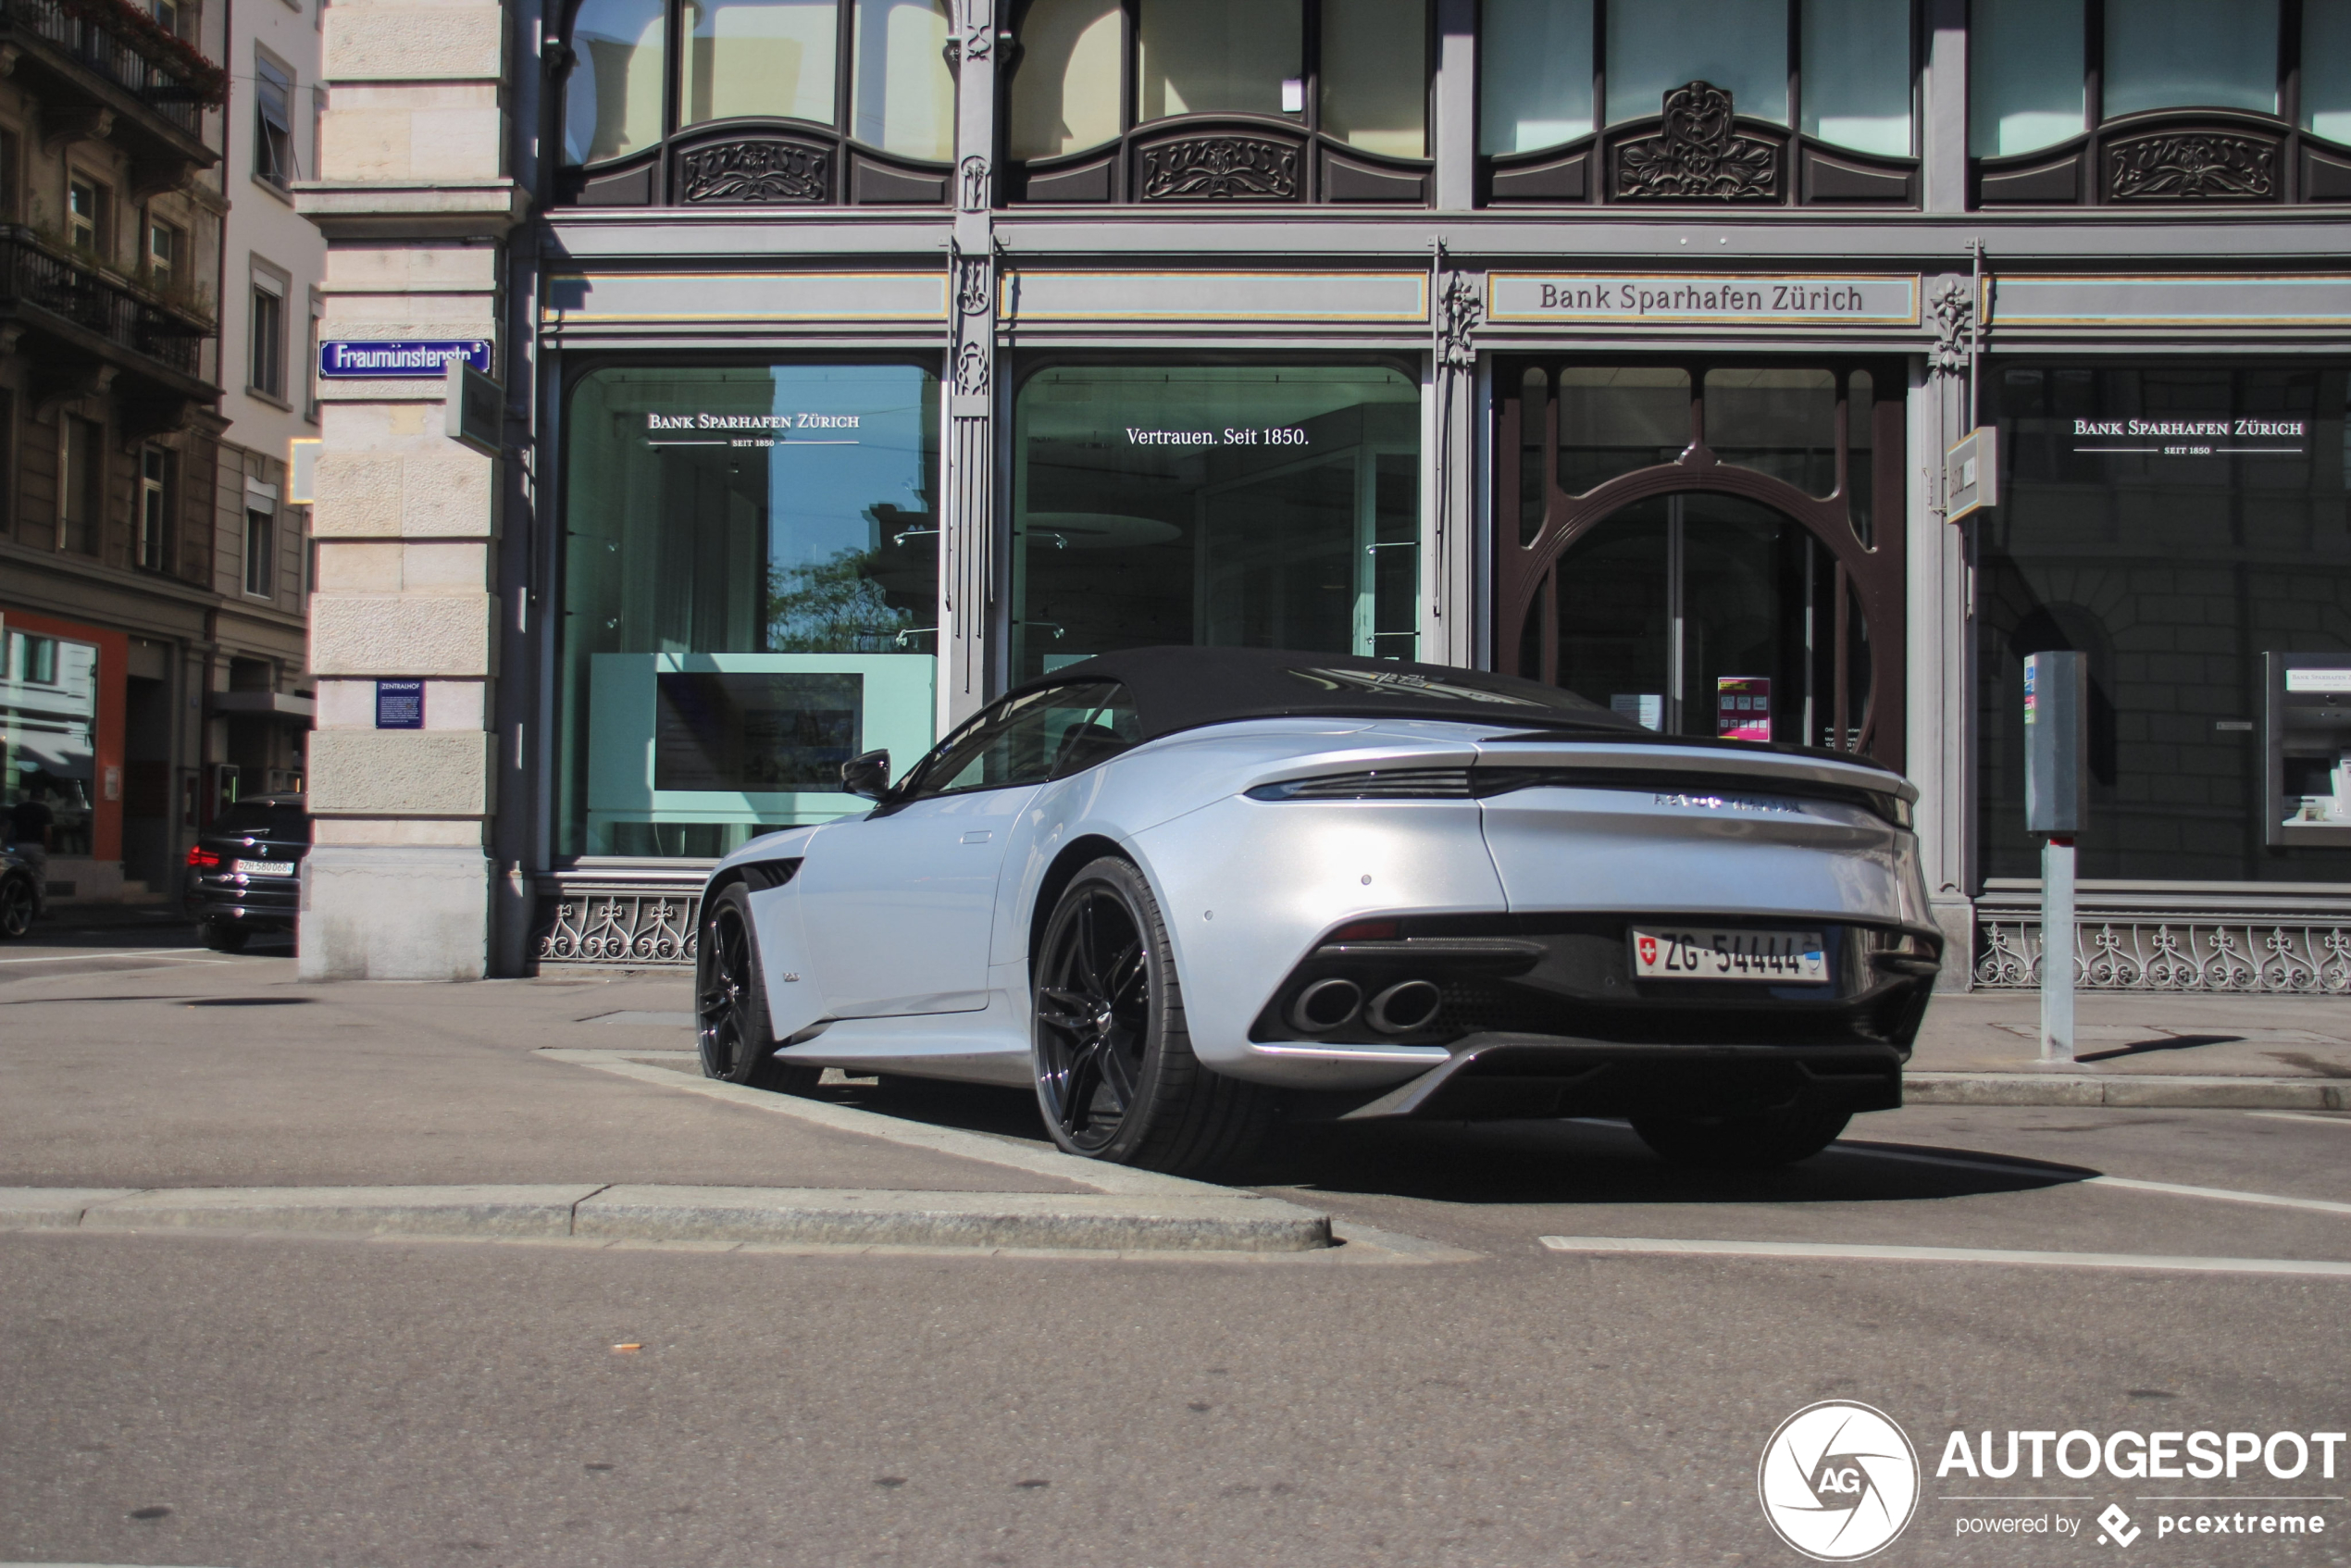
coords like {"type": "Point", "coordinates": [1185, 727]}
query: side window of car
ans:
{"type": "Point", "coordinates": [1031, 737]}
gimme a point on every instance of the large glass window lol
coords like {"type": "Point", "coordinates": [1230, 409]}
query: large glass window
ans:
{"type": "Point", "coordinates": [2326, 69]}
{"type": "Point", "coordinates": [1353, 70]}
{"type": "Point", "coordinates": [1066, 94]}
{"type": "Point", "coordinates": [752, 581]}
{"type": "Point", "coordinates": [892, 87]}
{"type": "Point", "coordinates": [2035, 81]}
{"type": "Point", "coordinates": [2175, 523]}
{"type": "Point", "coordinates": [747, 57]}
{"type": "Point", "coordinates": [1233, 505]}
{"type": "Point", "coordinates": [1851, 71]}
{"type": "Point", "coordinates": [612, 100]}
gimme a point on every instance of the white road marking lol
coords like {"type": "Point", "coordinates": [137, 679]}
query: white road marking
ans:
{"type": "Point", "coordinates": [2301, 1117]}
{"type": "Point", "coordinates": [2174, 1189]}
{"type": "Point", "coordinates": [1862, 1252]}
{"type": "Point", "coordinates": [128, 952]}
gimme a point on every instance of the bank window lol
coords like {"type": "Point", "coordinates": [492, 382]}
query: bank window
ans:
{"type": "Point", "coordinates": [82, 488]}
{"type": "Point", "coordinates": [762, 100]}
{"type": "Point", "coordinates": [1694, 546]}
{"type": "Point", "coordinates": [1220, 101]}
{"type": "Point", "coordinates": [11, 177]}
{"type": "Point", "coordinates": [2184, 526]}
{"type": "Point", "coordinates": [2160, 101]}
{"type": "Point", "coordinates": [157, 509]}
{"type": "Point", "coordinates": [1230, 506]}
{"type": "Point", "coordinates": [752, 588]}
{"type": "Point", "coordinates": [1744, 99]}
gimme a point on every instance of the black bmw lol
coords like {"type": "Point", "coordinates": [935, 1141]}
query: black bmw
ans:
{"type": "Point", "coordinates": [245, 872]}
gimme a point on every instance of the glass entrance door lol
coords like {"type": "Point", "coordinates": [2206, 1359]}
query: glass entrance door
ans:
{"type": "Point", "coordinates": [1705, 614]}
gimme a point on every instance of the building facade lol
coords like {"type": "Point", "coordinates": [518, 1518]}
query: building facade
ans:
{"type": "Point", "coordinates": [151, 658]}
{"type": "Point", "coordinates": [860, 357]}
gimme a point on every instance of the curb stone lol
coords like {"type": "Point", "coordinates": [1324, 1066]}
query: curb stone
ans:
{"type": "Point", "coordinates": [1226, 1221]}
{"type": "Point", "coordinates": [2143, 1092]}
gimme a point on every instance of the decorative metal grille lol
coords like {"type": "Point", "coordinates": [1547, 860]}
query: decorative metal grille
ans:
{"type": "Point", "coordinates": [2174, 955]}
{"type": "Point", "coordinates": [610, 926]}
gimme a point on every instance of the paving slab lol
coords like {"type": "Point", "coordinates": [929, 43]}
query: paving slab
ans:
{"type": "Point", "coordinates": [231, 1073]}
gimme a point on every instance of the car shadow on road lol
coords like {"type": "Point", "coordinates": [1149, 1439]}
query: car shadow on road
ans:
{"type": "Point", "coordinates": [1594, 1161]}
{"type": "Point", "coordinates": [1503, 1162]}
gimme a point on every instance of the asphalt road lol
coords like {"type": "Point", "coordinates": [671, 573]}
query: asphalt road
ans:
{"type": "Point", "coordinates": [243, 1402]}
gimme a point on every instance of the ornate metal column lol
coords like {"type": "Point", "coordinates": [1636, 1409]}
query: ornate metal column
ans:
{"type": "Point", "coordinates": [967, 490]}
{"type": "Point", "coordinates": [1449, 586]}
{"type": "Point", "coordinates": [1942, 641]}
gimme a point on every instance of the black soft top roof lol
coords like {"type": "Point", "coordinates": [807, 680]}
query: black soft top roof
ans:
{"type": "Point", "coordinates": [1181, 688]}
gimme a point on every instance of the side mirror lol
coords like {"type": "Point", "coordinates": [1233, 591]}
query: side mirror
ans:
{"type": "Point", "coordinates": [866, 774]}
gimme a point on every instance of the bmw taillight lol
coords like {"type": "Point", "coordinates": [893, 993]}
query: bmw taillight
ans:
{"type": "Point", "coordinates": [203, 859]}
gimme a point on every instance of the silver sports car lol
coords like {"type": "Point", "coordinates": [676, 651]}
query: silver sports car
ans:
{"type": "Point", "coordinates": [1185, 892]}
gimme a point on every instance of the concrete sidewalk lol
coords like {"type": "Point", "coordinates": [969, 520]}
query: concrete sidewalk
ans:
{"type": "Point", "coordinates": [2175, 1051]}
{"type": "Point", "coordinates": [219, 1094]}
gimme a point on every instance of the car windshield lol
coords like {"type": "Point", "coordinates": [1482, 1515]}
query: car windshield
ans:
{"type": "Point", "coordinates": [265, 819]}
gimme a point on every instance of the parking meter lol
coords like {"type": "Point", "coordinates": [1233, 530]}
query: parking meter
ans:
{"type": "Point", "coordinates": [2056, 756]}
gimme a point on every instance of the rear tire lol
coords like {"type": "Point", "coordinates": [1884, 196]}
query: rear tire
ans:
{"type": "Point", "coordinates": [1741, 1143]}
{"type": "Point", "coordinates": [1116, 1074]}
{"type": "Point", "coordinates": [732, 1031]}
{"type": "Point", "coordinates": [223, 936]}
{"type": "Point", "coordinates": [17, 904]}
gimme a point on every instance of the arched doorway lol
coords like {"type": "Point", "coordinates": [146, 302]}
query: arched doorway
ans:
{"type": "Point", "coordinates": [1696, 545]}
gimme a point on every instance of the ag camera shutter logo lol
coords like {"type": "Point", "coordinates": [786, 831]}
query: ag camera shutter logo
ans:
{"type": "Point", "coordinates": [1838, 1481]}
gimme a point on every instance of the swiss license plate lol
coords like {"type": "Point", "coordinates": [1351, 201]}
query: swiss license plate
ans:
{"type": "Point", "coordinates": [262, 868]}
{"type": "Point", "coordinates": [1687, 953]}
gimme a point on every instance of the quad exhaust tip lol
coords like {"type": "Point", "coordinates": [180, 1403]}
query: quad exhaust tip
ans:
{"type": "Point", "coordinates": [1405, 1006]}
{"type": "Point", "coordinates": [1325, 1005]}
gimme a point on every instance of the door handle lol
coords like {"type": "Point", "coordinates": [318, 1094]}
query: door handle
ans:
{"type": "Point", "coordinates": [979, 837]}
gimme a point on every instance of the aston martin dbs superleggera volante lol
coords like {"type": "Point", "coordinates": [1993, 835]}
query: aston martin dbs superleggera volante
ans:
{"type": "Point", "coordinates": [1184, 892]}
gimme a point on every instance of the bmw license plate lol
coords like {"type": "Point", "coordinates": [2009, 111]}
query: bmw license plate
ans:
{"type": "Point", "coordinates": [1790, 957]}
{"type": "Point", "coordinates": [262, 868]}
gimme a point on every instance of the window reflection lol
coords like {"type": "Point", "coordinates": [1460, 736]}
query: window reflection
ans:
{"type": "Point", "coordinates": [1217, 57]}
{"type": "Point", "coordinates": [905, 103]}
{"type": "Point", "coordinates": [1235, 505]}
{"type": "Point", "coordinates": [1740, 46]}
{"type": "Point", "coordinates": [614, 103]}
{"type": "Point", "coordinates": [1066, 91]}
{"type": "Point", "coordinates": [758, 58]}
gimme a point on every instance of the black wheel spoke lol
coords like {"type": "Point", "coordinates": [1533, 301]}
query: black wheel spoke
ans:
{"type": "Point", "coordinates": [1077, 1089]}
{"type": "Point", "coordinates": [1118, 1075]}
{"type": "Point", "coordinates": [1125, 975]}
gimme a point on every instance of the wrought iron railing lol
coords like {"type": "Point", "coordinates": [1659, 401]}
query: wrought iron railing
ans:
{"type": "Point", "coordinates": [174, 95]}
{"type": "Point", "coordinates": [2182, 953]}
{"type": "Point", "coordinates": [632, 926]}
{"type": "Point", "coordinates": [31, 273]}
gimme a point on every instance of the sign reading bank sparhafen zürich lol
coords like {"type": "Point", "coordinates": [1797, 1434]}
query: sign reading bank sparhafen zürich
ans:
{"type": "Point", "coordinates": [1703, 299]}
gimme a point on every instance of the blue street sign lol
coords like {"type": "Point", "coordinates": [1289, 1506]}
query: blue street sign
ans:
{"type": "Point", "coordinates": [400, 705]}
{"type": "Point", "coordinates": [405, 359]}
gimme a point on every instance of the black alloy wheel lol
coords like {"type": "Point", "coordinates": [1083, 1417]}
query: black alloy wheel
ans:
{"type": "Point", "coordinates": [731, 1012]}
{"type": "Point", "coordinates": [1093, 1014]}
{"type": "Point", "coordinates": [16, 906]}
{"type": "Point", "coordinates": [1116, 1078]}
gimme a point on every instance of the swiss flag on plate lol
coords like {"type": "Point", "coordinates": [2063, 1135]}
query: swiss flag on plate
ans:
{"type": "Point", "coordinates": [1649, 950]}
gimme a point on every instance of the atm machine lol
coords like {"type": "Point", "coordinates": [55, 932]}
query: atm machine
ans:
{"type": "Point", "coordinates": [2307, 733]}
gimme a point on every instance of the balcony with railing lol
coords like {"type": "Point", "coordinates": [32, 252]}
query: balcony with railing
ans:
{"type": "Point", "coordinates": [96, 56]}
{"type": "Point", "coordinates": [97, 317]}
